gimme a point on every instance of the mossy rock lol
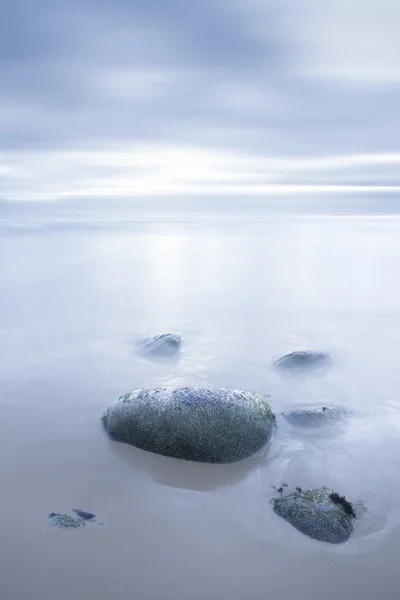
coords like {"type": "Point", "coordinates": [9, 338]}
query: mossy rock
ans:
{"type": "Point", "coordinates": [316, 416]}
{"type": "Point", "coordinates": [164, 345]}
{"type": "Point", "coordinates": [321, 514]}
{"type": "Point", "coordinates": [65, 521]}
{"type": "Point", "coordinates": [213, 425]}
{"type": "Point", "coordinates": [303, 360]}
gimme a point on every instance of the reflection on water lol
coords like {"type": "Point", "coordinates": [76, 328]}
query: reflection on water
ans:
{"type": "Point", "coordinates": [186, 474]}
{"type": "Point", "coordinates": [240, 295]}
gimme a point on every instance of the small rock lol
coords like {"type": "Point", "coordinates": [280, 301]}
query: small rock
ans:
{"type": "Point", "coordinates": [83, 514]}
{"type": "Point", "coordinates": [66, 521]}
{"type": "Point", "coordinates": [214, 425]}
{"type": "Point", "coordinates": [322, 514]}
{"type": "Point", "coordinates": [316, 416]}
{"type": "Point", "coordinates": [304, 360]}
{"type": "Point", "coordinates": [164, 345]}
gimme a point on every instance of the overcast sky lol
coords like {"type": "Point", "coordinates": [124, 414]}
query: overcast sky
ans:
{"type": "Point", "coordinates": [127, 97]}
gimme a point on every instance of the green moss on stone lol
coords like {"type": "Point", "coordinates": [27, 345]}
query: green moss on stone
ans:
{"type": "Point", "coordinates": [126, 397]}
{"type": "Point", "coordinates": [316, 514]}
{"type": "Point", "coordinates": [192, 423]}
{"type": "Point", "coordinates": [66, 521]}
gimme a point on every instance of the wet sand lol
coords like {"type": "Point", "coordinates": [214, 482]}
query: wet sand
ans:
{"type": "Point", "coordinates": [72, 306]}
{"type": "Point", "coordinates": [168, 529]}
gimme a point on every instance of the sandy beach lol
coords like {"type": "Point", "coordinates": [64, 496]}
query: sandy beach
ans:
{"type": "Point", "coordinates": [73, 302]}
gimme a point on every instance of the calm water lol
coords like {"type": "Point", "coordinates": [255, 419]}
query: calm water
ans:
{"type": "Point", "coordinates": [77, 292]}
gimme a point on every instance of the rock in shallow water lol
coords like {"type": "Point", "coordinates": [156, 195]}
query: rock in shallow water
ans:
{"type": "Point", "coordinates": [214, 425]}
{"type": "Point", "coordinates": [164, 345]}
{"type": "Point", "coordinates": [66, 521]}
{"type": "Point", "coordinates": [304, 360]}
{"type": "Point", "coordinates": [84, 514]}
{"type": "Point", "coordinates": [321, 514]}
{"type": "Point", "coordinates": [316, 416]}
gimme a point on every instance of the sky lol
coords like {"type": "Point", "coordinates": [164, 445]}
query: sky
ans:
{"type": "Point", "coordinates": [125, 98]}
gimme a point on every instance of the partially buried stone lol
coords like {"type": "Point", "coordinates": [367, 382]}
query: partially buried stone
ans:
{"type": "Point", "coordinates": [305, 360]}
{"type": "Point", "coordinates": [66, 521]}
{"type": "Point", "coordinates": [164, 345]}
{"type": "Point", "coordinates": [316, 416]}
{"type": "Point", "coordinates": [214, 425]}
{"type": "Point", "coordinates": [83, 514]}
{"type": "Point", "coordinates": [322, 514]}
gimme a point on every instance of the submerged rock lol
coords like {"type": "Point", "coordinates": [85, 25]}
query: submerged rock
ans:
{"type": "Point", "coordinates": [214, 425]}
{"type": "Point", "coordinates": [322, 514]}
{"type": "Point", "coordinates": [305, 360]}
{"type": "Point", "coordinates": [66, 521]}
{"type": "Point", "coordinates": [316, 416]}
{"type": "Point", "coordinates": [164, 345]}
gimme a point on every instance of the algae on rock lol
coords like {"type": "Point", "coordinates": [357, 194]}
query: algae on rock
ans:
{"type": "Point", "coordinates": [65, 521]}
{"type": "Point", "coordinates": [322, 514]}
{"type": "Point", "coordinates": [215, 425]}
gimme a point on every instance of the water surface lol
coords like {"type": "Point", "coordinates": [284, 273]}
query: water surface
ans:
{"type": "Point", "coordinates": [78, 290]}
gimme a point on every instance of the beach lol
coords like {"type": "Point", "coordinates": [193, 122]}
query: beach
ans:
{"type": "Point", "coordinates": [80, 288]}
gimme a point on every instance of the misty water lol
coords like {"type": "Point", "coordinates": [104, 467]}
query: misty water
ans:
{"type": "Point", "coordinates": [80, 288]}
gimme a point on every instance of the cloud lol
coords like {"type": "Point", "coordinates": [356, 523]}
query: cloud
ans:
{"type": "Point", "coordinates": [356, 40]}
{"type": "Point", "coordinates": [183, 170]}
{"type": "Point", "coordinates": [255, 78]}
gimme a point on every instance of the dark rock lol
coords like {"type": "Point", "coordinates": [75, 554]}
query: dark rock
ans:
{"type": "Point", "coordinates": [322, 514]}
{"type": "Point", "coordinates": [303, 360]}
{"type": "Point", "coordinates": [164, 345]}
{"type": "Point", "coordinates": [215, 425]}
{"type": "Point", "coordinates": [316, 416]}
{"type": "Point", "coordinates": [83, 514]}
{"type": "Point", "coordinates": [66, 521]}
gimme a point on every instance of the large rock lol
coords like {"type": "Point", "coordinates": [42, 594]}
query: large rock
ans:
{"type": "Point", "coordinates": [316, 416]}
{"type": "Point", "coordinates": [321, 514]}
{"type": "Point", "coordinates": [164, 345]}
{"type": "Point", "coordinates": [303, 360]}
{"type": "Point", "coordinates": [214, 425]}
